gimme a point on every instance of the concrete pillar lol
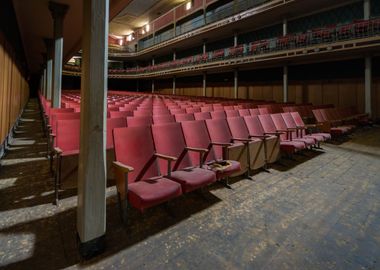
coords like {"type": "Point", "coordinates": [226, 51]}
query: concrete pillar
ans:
{"type": "Point", "coordinates": [235, 39]}
{"type": "Point", "coordinates": [91, 213]}
{"type": "Point", "coordinates": [58, 12]}
{"type": "Point", "coordinates": [236, 83]}
{"type": "Point", "coordinates": [44, 82]}
{"type": "Point", "coordinates": [173, 85]}
{"type": "Point", "coordinates": [367, 9]}
{"type": "Point", "coordinates": [204, 83]}
{"type": "Point", "coordinates": [204, 47]}
{"type": "Point", "coordinates": [285, 83]}
{"type": "Point", "coordinates": [285, 69]}
{"type": "Point", "coordinates": [49, 67]}
{"type": "Point", "coordinates": [152, 86]}
{"type": "Point", "coordinates": [137, 85]}
{"type": "Point", "coordinates": [368, 85]}
{"type": "Point", "coordinates": [152, 61]}
{"type": "Point", "coordinates": [174, 55]}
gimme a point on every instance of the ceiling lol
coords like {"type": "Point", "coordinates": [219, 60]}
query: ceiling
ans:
{"type": "Point", "coordinates": [138, 13]}
{"type": "Point", "coordinates": [35, 24]}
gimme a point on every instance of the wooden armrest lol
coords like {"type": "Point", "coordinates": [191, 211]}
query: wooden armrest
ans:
{"type": "Point", "coordinates": [221, 144]}
{"type": "Point", "coordinates": [165, 157]}
{"type": "Point", "coordinates": [53, 135]}
{"type": "Point", "coordinates": [194, 149]}
{"type": "Point", "coordinates": [122, 167]}
{"type": "Point", "coordinates": [241, 139]}
{"type": "Point", "coordinates": [283, 130]}
{"type": "Point", "coordinates": [259, 136]}
{"type": "Point", "coordinates": [292, 129]}
{"type": "Point", "coordinates": [274, 133]}
{"type": "Point", "coordinates": [58, 150]}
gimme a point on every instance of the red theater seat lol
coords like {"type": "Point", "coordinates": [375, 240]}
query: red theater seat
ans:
{"type": "Point", "coordinates": [184, 117]}
{"type": "Point", "coordinates": [161, 119]}
{"type": "Point", "coordinates": [271, 142]}
{"type": "Point", "coordinates": [196, 136]}
{"type": "Point", "coordinates": [137, 121]}
{"type": "Point", "coordinates": [119, 114]}
{"type": "Point", "coordinates": [136, 170]}
{"type": "Point", "coordinates": [169, 140]}
{"type": "Point", "coordinates": [288, 133]}
{"type": "Point", "coordinates": [202, 116]}
{"type": "Point", "coordinates": [232, 113]}
{"type": "Point", "coordinates": [287, 146]}
{"type": "Point", "coordinates": [218, 115]}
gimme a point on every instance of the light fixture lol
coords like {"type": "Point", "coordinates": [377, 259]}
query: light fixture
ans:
{"type": "Point", "coordinates": [129, 37]}
{"type": "Point", "coordinates": [147, 28]}
{"type": "Point", "coordinates": [143, 32]}
{"type": "Point", "coordinates": [121, 42]}
{"type": "Point", "coordinates": [188, 5]}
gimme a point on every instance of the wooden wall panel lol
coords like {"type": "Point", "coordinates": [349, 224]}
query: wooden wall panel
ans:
{"type": "Point", "coordinates": [14, 90]}
{"type": "Point", "coordinates": [330, 92]}
{"type": "Point", "coordinates": [314, 93]}
{"type": "Point", "coordinates": [278, 93]}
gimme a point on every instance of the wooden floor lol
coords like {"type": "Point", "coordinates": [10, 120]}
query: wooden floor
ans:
{"type": "Point", "coordinates": [321, 211]}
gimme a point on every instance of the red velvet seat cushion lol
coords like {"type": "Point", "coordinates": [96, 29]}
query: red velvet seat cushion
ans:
{"type": "Point", "coordinates": [153, 191]}
{"type": "Point", "coordinates": [193, 178]}
{"type": "Point", "coordinates": [291, 146]}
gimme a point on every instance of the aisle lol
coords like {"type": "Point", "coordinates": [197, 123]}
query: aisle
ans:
{"type": "Point", "coordinates": [319, 212]}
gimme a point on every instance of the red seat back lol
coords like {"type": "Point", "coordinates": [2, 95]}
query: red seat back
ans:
{"type": "Point", "coordinates": [68, 134]}
{"type": "Point", "coordinates": [238, 128]}
{"type": "Point", "coordinates": [218, 115]}
{"type": "Point", "coordinates": [161, 119]}
{"type": "Point", "coordinates": [137, 121]}
{"type": "Point", "coordinates": [219, 132]}
{"type": "Point", "coordinates": [244, 112]}
{"type": "Point", "coordinates": [232, 113]}
{"type": "Point", "coordinates": [62, 116]}
{"type": "Point", "coordinates": [111, 124]}
{"type": "Point", "coordinates": [267, 123]}
{"type": "Point", "coordinates": [196, 135]}
{"type": "Point", "coordinates": [297, 119]}
{"type": "Point", "coordinates": [280, 124]}
{"type": "Point", "coordinates": [120, 114]}
{"type": "Point", "coordinates": [254, 126]}
{"type": "Point", "coordinates": [202, 116]}
{"type": "Point", "coordinates": [134, 147]}
{"type": "Point", "coordinates": [169, 140]}
{"type": "Point", "coordinates": [254, 111]}
{"type": "Point", "coordinates": [184, 117]}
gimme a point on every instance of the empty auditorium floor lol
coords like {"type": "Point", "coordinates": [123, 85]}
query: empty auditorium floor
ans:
{"type": "Point", "coordinates": [321, 211]}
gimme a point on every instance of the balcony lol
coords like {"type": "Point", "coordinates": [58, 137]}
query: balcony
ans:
{"type": "Point", "coordinates": [363, 34]}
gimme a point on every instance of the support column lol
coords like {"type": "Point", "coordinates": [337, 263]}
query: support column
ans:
{"type": "Point", "coordinates": [367, 9]}
{"type": "Point", "coordinates": [152, 86]}
{"type": "Point", "coordinates": [236, 83]}
{"type": "Point", "coordinates": [44, 82]}
{"type": "Point", "coordinates": [49, 67]}
{"type": "Point", "coordinates": [174, 55]}
{"type": "Point", "coordinates": [285, 83]}
{"type": "Point", "coordinates": [173, 85]}
{"type": "Point", "coordinates": [58, 12]}
{"type": "Point", "coordinates": [204, 83]}
{"type": "Point", "coordinates": [235, 39]}
{"type": "Point", "coordinates": [368, 85]}
{"type": "Point", "coordinates": [204, 46]}
{"type": "Point", "coordinates": [91, 213]}
{"type": "Point", "coordinates": [285, 68]}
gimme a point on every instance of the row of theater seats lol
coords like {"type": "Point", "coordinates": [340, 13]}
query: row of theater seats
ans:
{"type": "Point", "coordinates": [194, 149]}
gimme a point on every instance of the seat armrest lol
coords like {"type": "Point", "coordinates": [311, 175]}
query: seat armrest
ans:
{"type": "Point", "coordinates": [122, 167]}
{"type": "Point", "coordinates": [259, 136]}
{"type": "Point", "coordinates": [221, 144]}
{"type": "Point", "coordinates": [274, 133]}
{"type": "Point", "coordinates": [194, 149]}
{"type": "Point", "coordinates": [241, 139]}
{"type": "Point", "coordinates": [165, 157]}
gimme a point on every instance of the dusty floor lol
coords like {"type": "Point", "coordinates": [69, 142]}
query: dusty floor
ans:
{"type": "Point", "coordinates": [321, 211]}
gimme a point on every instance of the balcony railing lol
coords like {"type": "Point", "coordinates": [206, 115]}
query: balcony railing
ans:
{"type": "Point", "coordinates": [332, 34]}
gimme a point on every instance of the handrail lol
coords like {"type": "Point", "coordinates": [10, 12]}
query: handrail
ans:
{"type": "Point", "coordinates": [327, 35]}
